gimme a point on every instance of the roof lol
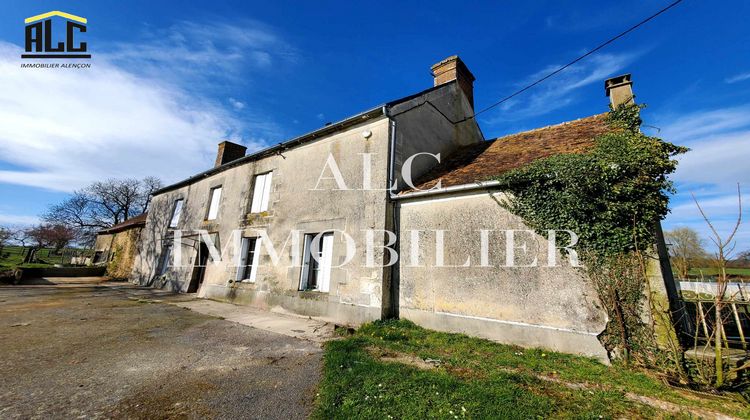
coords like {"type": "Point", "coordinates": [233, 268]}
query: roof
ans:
{"type": "Point", "coordinates": [321, 132]}
{"type": "Point", "coordinates": [133, 222]}
{"type": "Point", "coordinates": [485, 160]}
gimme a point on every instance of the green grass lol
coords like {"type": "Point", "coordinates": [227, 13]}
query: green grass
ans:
{"type": "Point", "coordinates": [12, 257]}
{"type": "Point", "coordinates": [480, 379]}
{"type": "Point", "coordinates": [711, 271]}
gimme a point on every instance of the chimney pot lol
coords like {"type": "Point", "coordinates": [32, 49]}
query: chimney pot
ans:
{"type": "Point", "coordinates": [620, 90]}
{"type": "Point", "coordinates": [452, 68]}
{"type": "Point", "coordinates": [228, 152]}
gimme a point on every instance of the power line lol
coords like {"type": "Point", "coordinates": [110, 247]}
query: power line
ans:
{"type": "Point", "coordinates": [599, 47]}
{"type": "Point", "coordinates": [558, 70]}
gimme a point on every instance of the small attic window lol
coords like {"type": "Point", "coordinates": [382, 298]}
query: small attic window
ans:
{"type": "Point", "coordinates": [213, 204]}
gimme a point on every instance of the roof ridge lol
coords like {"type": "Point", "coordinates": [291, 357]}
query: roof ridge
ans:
{"type": "Point", "coordinates": [549, 126]}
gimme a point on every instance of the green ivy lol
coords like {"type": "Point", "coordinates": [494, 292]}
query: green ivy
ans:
{"type": "Point", "coordinates": [611, 196]}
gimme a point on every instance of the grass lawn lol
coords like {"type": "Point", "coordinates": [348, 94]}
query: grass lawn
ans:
{"type": "Point", "coordinates": [12, 257]}
{"type": "Point", "coordinates": [395, 369]}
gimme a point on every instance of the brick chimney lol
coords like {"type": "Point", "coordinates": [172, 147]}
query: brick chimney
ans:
{"type": "Point", "coordinates": [620, 90]}
{"type": "Point", "coordinates": [228, 152]}
{"type": "Point", "coordinates": [452, 68]}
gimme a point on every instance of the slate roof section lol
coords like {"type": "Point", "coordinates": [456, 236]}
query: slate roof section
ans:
{"type": "Point", "coordinates": [137, 221]}
{"type": "Point", "coordinates": [488, 159]}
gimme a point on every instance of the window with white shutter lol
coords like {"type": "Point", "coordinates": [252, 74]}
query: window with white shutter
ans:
{"type": "Point", "coordinates": [261, 192]}
{"type": "Point", "coordinates": [213, 206]}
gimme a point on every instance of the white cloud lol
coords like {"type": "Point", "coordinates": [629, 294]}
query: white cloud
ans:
{"type": "Point", "coordinates": [236, 104]}
{"type": "Point", "coordinates": [197, 56]}
{"type": "Point", "coordinates": [723, 206]}
{"type": "Point", "coordinates": [126, 115]}
{"type": "Point", "coordinates": [688, 127]}
{"type": "Point", "coordinates": [559, 91]}
{"type": "Point", "coordinates": [738, 78]}
{"type": "Point", "coordinates": [718, 160]}
{"type": "Point", "coordinates": [718, 140]}
{"type": "Point", "coordinates": [14, 219]}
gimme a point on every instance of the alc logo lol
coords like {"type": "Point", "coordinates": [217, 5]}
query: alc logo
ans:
{"type": "Point", "coordinates": [39, 37]}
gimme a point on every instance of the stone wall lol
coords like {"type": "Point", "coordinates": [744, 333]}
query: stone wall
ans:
{"type": "Point", "coordinates": [119, 251]}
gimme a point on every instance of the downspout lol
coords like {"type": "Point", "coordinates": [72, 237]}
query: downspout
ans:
{"type": "Point", "coordinates": [391, 283]}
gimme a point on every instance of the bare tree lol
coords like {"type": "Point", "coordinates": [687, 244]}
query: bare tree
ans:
{"type": "Point", "coordinates": [742, 259]}
{"type": "Point", "coordinates": [21, 237]}
{"type": "Point", "coordinates": [60, 236]}
{"type": "Point", "coordinates": [724, 249]}
{"type": "Point", "coordinates": [39, 238]}
{"type": "Point", "coordinates": [685, 249]}
{"type": "Point", "coordinates": [150, 185]}
{"type": "Point", "coordinates": [48, 235]}
{"type": "Point", "coordinates": [6, 234]}
{"type": "Point", "coordinates": [102, 204]}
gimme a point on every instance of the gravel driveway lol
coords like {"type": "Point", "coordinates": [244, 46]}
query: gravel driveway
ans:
{"type": "Point", "coordinates": [96, 351]}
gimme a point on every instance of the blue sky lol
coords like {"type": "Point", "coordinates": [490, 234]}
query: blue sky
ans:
{"type": "Point", "coordinates": [171, 80]}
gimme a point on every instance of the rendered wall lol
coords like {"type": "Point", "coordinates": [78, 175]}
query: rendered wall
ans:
{"type": "Point", "coordinates": [355, 290]}
{"type": "Point", "coordinates": [421, 128]}
{"type": "Point", "coordinates": [551, 307]}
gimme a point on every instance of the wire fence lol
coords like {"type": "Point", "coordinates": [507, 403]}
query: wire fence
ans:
{"type": "Point", "coordinates": [13, 256]}
{"type": "Point", "coordinates": [734, 319]}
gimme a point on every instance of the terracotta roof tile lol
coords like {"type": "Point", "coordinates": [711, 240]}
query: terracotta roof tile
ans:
{"type": "Point", "coordinates": [488, 159]}
{"type": "Point", "coordinates": [139, 220]}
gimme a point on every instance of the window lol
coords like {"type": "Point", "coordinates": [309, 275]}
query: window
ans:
{"type": "Point", "coordinates": [166, 254]}
{"type": "Point", "coordinates": [97, 257]}
{"type": "Point", "coordinates": [213, 206]}
{"type": "Point", "coordinates": [176, 212]}
{"type": "Point", "coordinates": [316, 263]}
{"type": "Point", "coordinates": [250, 256]}
{"type": "Point", "coordinates": [261, 193]}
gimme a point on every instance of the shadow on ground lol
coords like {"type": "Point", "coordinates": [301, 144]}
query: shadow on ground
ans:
{"type": "Point", "coordinates": [88, 349]}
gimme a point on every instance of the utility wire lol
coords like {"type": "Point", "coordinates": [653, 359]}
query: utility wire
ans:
{"type": "Point", "coordinates": [599, 47]}
{"type": "Point", "coordinates": [560, 69]}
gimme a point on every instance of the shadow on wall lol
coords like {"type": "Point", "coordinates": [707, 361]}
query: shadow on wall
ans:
{"type": "Point", "coordinates": [155, 235]}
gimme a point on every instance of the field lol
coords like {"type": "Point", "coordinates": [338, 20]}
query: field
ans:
{"type": "Point", "coordinates": [711, 271]}
{"type": "Point", "coordinates": [12, 257]}
{"type": "Point", "coordinates": [396, 369]}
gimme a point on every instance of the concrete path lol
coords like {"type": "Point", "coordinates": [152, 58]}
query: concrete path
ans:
{"type": "Point", "coordinates": [293, 326]}
{"type": "Point", "coordinates": [103, 350]}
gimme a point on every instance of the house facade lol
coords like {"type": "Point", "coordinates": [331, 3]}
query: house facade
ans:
{"type": "Point", "coordinates": [312, 225]}
{"type": "Point", "coordinates": [300, 198]}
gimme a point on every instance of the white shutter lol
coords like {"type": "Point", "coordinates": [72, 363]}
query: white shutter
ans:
{"type": "Point", "coordinates": [258, 194]}
{"type": "Point", "coordinates": [266, 191]}
{"type": "Point", "coordinates": [176, 213]}
{"type": "Point", "coordinates": [242, 266]}
{"type": "Point", "coordinates": [261, 193]}
{"type": "Point", "coordinates": [213, 208]}
{"type": "Point", "coordinates": [256, 260]}
{"type": "Point", "coordinates": [326, 257]}
{"type": "Point", "coordinates": [305, 271]}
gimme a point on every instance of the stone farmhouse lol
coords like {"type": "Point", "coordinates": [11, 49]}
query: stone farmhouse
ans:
{"type": "Point", "coordinates": [282, 221]}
